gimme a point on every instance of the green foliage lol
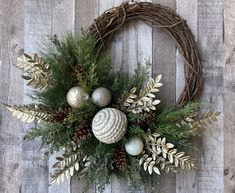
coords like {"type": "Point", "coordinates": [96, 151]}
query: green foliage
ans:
{"type": "Point", "coordinates": [62, 57]}
{"type": "Point", "coordinates": [170, 124]}
{"type": "Point", "coordinates": [55, 135]}
{"type": "Point", "coordinates": [134, 130]}
{"type": "Point", "coordinates": [100, 169]}
{"type": "Point", "coordinates": [121, 82]}
{"type": "Point", "coordinates": [96, 68]}
{"type": "Point", "coordinates": [78, 115]}
{"type": "Point", "coordinates": [178, 113]}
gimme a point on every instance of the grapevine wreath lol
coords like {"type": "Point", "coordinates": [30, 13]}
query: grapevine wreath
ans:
{"type": "Point", "coordinates": [111, 122]}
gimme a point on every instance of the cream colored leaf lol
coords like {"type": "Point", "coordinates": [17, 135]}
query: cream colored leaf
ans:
{"type": "Point", "coordinates": [156, 170]}
{"type": "Point", "coordinates": [76, 166]}
{"type": "Point", "coordinates": [67, 174]}
{"type": "Point", "coordinates": [141, 161]}
{"type": "Point", "coordinates": [145, 166]}
{"type": "Point", "coordinates": [156, 102]}
{"type": "Point", "coordinates": [156, 135]}
{"type": "Point", "coordinates": [71, 171]}
{"type": "Point", "coordinates": [169, 145]}
{"type": "Point", "coordinates": [158, 78]}
{"type": "Point", "coordinates": [150, 169]}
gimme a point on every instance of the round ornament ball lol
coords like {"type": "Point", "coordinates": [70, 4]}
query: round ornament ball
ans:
{"type": "Point", "coordinates": [135, 146]}
{"type": "Point", "coordinates": [101, 97]}
{"type": "Point", "coordinates": [109, 125]}
{"type": "Point", "coordinates": [77, 96]}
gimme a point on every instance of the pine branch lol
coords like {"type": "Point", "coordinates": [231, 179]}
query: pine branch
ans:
{"type": "Point", "coordinates": [37, 71]}
{"type": "Point", "coordinates": [29, 113]}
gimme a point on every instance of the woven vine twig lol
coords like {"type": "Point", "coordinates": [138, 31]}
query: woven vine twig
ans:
{"type": "Point", "coordinates": [105, 26]}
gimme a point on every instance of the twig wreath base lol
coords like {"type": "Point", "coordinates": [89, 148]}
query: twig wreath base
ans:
{"type": "Point", "coordinates": [111, 21]}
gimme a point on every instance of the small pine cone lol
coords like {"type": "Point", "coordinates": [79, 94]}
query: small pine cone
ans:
{"type": "Point", "coordinates": [60, 115]}
{"type": "Point", "coordinates": [78, 69]}
{"type": "Point", "coordinates": [148, 119]}
{"type": "Point", "coordinates": [83, 131]}
{"type": "Point", "coordinates": [120, 159]}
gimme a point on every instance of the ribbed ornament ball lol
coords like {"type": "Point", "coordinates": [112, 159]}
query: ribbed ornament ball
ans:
{"type": "Point", "coordinates": [109, 125]}
{"type": "Point", "coordinates": [77, 96]}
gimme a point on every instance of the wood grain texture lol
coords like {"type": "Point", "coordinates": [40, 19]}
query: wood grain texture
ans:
{"type": "Point", "coordinates": [164, 60]}
{"type": "Point", "coordinates": [11, 91]}
{"type": "Point", "coordinates": [229, 95]}
{"type": "Point", "coordinates": [42, 20]}
{"type": "Point", "coordinates": [185, 181]}
{"type": "Point", "coordinates": [85, 12]}
{"type": "Point", "coordinates": [35, 166]}
{"type": "Point", "coordinates": [210, 38]}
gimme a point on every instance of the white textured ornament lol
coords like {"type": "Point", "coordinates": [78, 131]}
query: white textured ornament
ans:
{"type": "Point", "coordinates": [135, 146]}
{"type": "Point", "coordinates": [77, 96]}
{"type": "Point", "coordinates": [109, 125]}
{"type": "Point", "coordinates": [101, 97]}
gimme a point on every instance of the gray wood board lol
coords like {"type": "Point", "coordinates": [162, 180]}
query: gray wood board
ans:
{"type": "Point", "coordinates": [210, 39]}
{"type": "Point", "coordinates": [229, 96]}
{"type": "Point", "coordinates": [11, 91]}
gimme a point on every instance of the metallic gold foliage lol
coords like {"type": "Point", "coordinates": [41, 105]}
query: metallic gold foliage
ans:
{"type": "Point", "coordinates": [145, 101]}
{"type": "Point", "coordinates": [37, 71]}
{"type": "Point", "coordinates": [163, 156]}
{"type": "Point", "coordinates": [206, 119]}
{"type": "Point", "coordinates": [201, 122]}
{"type": "Point", "coordinates": [65, 167]}
{"type": "Point", "coordinates": [29, 113]}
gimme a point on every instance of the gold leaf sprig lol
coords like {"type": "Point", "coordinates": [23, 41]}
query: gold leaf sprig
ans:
{"type": "Point", "coordinates": [145, 101]}
{"type": "Point", "coordinates": [38, 73]}
{"type": "Point", "coordinates": [162, 156]}
{"type": "Point", "coordinates": [65, 167]}
{"type": "Point", "coordinates": [201, 122]}
{"type": "Point", "coordinates": [29, 113]}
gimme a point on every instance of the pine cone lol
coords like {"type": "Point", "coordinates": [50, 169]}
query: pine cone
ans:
{"type": "Point", "coordinates": [78, 69]}
{"type": "Point", "coordinates": [148, 119]}
{"type": "Point", "coordinates": [60, 115]}
{"type": "Point", "coordinates": [120, 159]}
{"type": "Point", "coordinates": [83, 131]}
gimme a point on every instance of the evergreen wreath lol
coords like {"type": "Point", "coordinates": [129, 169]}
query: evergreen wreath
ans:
{"type": "Point", "coordinates": [112, 122]}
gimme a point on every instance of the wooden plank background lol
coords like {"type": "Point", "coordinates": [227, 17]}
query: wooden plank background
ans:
{"type": "Point", "coordinates": [24, 23]}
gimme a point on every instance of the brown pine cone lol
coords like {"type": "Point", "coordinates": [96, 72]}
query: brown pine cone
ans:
{"type": "Point", "coordinates": [60, 115]}
{"type": "Point", "coordinates": [78, 69]}
{"type": "Point", "coordinates": [120, 159]}
{"type": "Point", "coordinates": [148, 119]}
{"type": "Point", "coordinates": [83, 131]}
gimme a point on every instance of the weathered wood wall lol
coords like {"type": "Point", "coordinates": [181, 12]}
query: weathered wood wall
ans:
{"type": "Point", "coordinates": [24, 23]}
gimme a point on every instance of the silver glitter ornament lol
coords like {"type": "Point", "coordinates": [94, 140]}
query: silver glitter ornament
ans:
{"type": "Point", "coordinates": [109, 125]}
{"type": "Point", "coordinates": [101, 97]}
{"type": "Point", "coordinates": [77, 96]}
